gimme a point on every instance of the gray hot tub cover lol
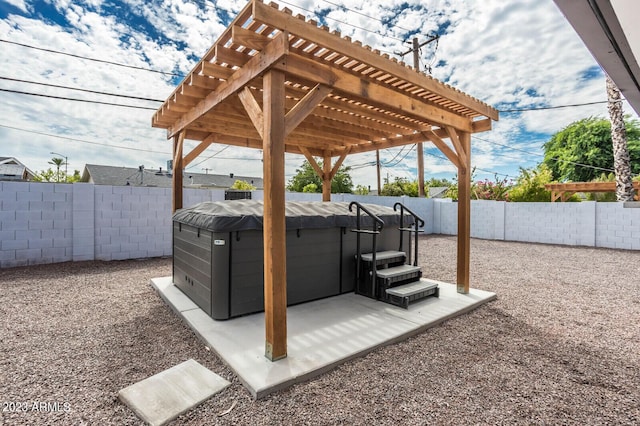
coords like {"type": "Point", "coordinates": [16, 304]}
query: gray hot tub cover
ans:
{"type": "Point", "coordinates": [241, 215]}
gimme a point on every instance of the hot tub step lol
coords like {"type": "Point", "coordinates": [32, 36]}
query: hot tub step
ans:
{"type": "Point", "coordinates": [407, 293]}
{"type": "Point", "coordinates": [385, 257]}
{"type": "Point", "coordinates": [398, 275]}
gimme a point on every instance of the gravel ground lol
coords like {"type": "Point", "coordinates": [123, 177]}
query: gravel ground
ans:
{"type": "Point", "coordinates": [561, 345]}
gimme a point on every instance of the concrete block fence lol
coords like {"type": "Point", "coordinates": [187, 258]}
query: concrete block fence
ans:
{"type": "Point", "coordinates": [49, 222]}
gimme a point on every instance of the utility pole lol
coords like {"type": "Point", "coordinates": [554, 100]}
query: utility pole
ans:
{"type": "Point", "coordinates": [419, 149]}
{"type": "Point", "coordinates": [378, 169]}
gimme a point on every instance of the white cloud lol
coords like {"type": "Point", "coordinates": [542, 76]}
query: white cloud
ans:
{"type": "Point", "coordinates": [20, 4]}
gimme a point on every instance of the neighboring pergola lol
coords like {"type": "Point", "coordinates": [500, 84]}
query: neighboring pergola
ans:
{"type": "Point", "coordinates": [281, 83]}
{"type": "Point", "coordinates": [564, 191]}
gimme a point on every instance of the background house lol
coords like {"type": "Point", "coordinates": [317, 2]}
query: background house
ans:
{"type": "Point", "coordinates": [12, 169]}
{"type": "Point", "coordinates": [140, 176]}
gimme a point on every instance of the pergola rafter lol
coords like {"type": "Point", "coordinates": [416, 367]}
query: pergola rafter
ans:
{"type": "Point", "coordinates": [281, 83]}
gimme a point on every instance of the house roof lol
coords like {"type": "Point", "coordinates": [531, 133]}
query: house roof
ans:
{"type": "Point", "coordinates": [12, 171]}
{"type": "Point", "coordinates": [609, 29]}
{"type": "Point", "coordinates": [438, 191]}
{"type": "Point", "coordinates": [122, 176]}
{"type": "Point", "coordinates": [11, 168]}
{"type": "Point", "coordinates": [341, 97]}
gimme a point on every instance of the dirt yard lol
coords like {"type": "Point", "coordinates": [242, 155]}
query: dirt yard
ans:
{"type": "Point", "coordinates": [561, 345]}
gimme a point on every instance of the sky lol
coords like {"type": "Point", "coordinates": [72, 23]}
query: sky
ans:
{"type": "Point", "coordinates": [511, 54]}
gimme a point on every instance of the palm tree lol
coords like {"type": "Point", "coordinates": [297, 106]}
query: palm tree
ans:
{"type": "Point", "coordinates": [58, 162]}
{"type": "Point", "coordinates": [621, 159]}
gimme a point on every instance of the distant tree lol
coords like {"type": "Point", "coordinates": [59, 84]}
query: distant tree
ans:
{"type": "Point", "coordinates": [305, 175]}
{"type": "Point", "coordinates": [58, 162]}
{"type": "Point", "coordinates": [310, 188]}
{"type": "Point", "coordinates": [452, 192]}
{"type": "Point", "coordinates": [73, 178]}
{"type": "Point", "coordinates": [399, 187]}
{"type": "Point", "coordinates": [603, 196]}
{"type": "Point", "coordinates": [45, 176]}
{"type": "Point", "coordinates": [572, 153]}
{"type": "Point", "coordinates": [437, 183]}
{"type": "Point", "coordinates": [361, 190]}
{"type": "Point", "coordinates": [50, 176]}
{"type": "Point", "coordinates": [242, 185]}
{"type": "Point", "coordinates": [529, 186]}
{"type": "Point", "coordinates": [490, 190]}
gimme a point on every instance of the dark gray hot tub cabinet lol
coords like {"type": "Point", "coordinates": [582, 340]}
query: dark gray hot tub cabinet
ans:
{"type": "Point", "coordinates": [218, 252]}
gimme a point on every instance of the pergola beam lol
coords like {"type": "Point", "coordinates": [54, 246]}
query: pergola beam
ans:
{"type": "Point", "coordinates": [270, 16]}
{"type": "Point", "coordinates": [443, 147]}
{"type": "Point", "coordinates": [253, 109]}
{"type": "Point", "coordinates": [199, 149]}
{"type": "Point", "coordinates": [304, 107]}
{"type": "Point", "coordinates": [255, 66]}
{"type": "Point", "coordinates": [358, 88]}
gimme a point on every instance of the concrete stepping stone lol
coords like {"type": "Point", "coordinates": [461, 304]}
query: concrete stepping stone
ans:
{"type": "Point", "coordinates": [161, 398]}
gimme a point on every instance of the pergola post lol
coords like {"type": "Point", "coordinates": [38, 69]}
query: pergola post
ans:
{"type": "Point", "coordinates": [274, 231]}
{"type": "Point", "coordinates": [326, 178]}
{"type": "Point", "coordinates": [464, 214]}
{"type": "Point", "coordinates": [176, 177]}
{"type": "Point", "coordinates": [420, 154]}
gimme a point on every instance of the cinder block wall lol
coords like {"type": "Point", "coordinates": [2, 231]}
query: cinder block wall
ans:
{"type": "Point", "coordinates": [49, 223]}
{"type": "Point", "coordinates": [35, 223]}
{"type": "Point", "coordinates": [617, 227]}
{"type": "Point", "coordinates": [554, 223]}
{"type": "Point", "coordinates": [131, 222]}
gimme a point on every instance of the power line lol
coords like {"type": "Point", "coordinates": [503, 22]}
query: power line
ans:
{"type": "Point", "coordinates": [400, 152]}
{"type": "Point", "coordinates": [210, 157]}
{"type": "Point", "coordinates": [552, 107]}
{"type": "Point", "coordinates": [103, 61]}
{"type": "Point", "coordinates": [82, 140]}
{"type": "Point", "coordinates": [80, 90]}
{"type": "Point", "coordinates": [402, 159]}
{"type": "Point", "coordinates": [20, 92]}
{"type": "Point", "coordinates": [477, 168]}
{"type": "Point", "coordinates": [159, 100]}
{"type": "Point", "coordinates": [586, 166]}
{"type": "Point", "coordinates": [346, 23]}
{"type": "Point", "coordinates": [366, 16]}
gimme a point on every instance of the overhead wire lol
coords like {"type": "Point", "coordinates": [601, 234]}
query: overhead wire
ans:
{"type": "Point", "coordinates": [402, 159]}
{"type": "Point", "coordinates": [551, 107]}
{"type": "Point", "coordinates": [81, 140]}
{"type": "Point", "coordinates": [586, 166]}
{"type": "Point", "coordinates": [114, 146]}
{"type": "Point", "coordinates": [366, 16]}
{"type": "Point", "coordinates": [399, 153]}
{"type": "Point", "coordinates": [103, 61]}
{"type": "Point", "coordinates": [57, 86]}
{"type": "Point", "coordinates": [348, 24]}
{"type": "Point", "coordinates": [21, 92]}
{"type": "Point", "coordinates": [210, 157]}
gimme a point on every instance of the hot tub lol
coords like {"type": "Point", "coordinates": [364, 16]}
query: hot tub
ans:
{"type": "Point", "coordinates": [218, 252]}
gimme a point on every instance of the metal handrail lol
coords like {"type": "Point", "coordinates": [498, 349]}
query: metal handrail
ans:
{"type": "Point", "coordinates": [417, 222]}
{"type": "Point", "coordinates": [378, 224]}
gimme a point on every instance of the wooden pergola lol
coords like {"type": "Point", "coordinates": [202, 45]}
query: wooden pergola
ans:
{"type": "Point", "coordinates": [281, 83]}
{"type": "Point", "coordinates": [564, 191]}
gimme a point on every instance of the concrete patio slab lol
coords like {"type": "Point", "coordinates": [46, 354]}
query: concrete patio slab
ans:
{"type": "Point", "coordinates": [321, 334]}
{"type": "Point", "coordinates": [161, 398]}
